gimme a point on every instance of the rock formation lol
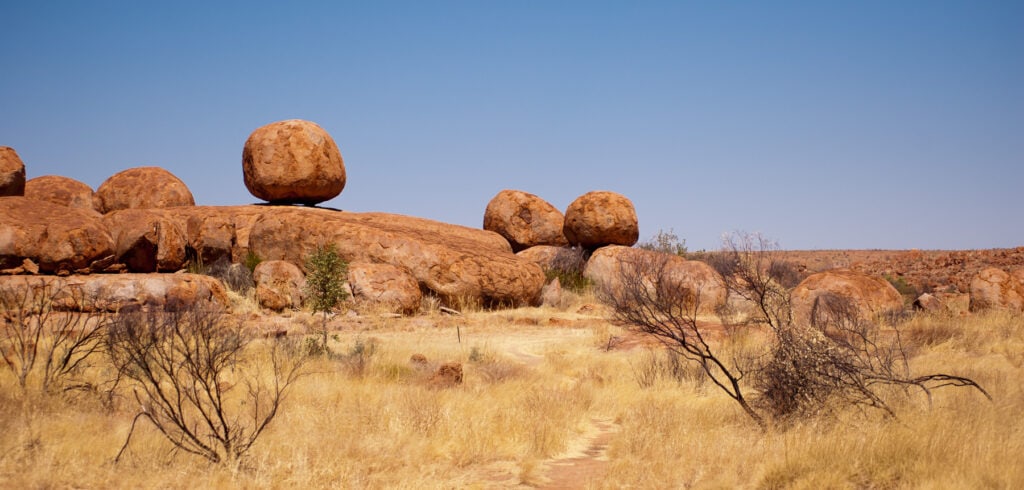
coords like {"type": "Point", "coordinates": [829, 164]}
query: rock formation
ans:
{"type": "Point", "coordinates": [385, 285]}
{"type": "Point", "coordinates": [114, 292]}
{"type": "Point", "coordinates": [279, 285]}
{"type": "Point", "coordinates": [145, 240]}
{"type": "Point", "coordinates": [997, 288]}
{"type": "Point", "coordinates": [60, 190]}
{"type": "Point", "coordinates": [525, 220]}
{"type": "Point", "coordinates": [57, 238]}
{"type": "Point", "coordinates": [12, 173]}
{"type": "Point", "coordinates": [292, 162]}
{"type": "Point", "coordinates": [601, 218]}
{"type": "Point", "coordinates": [142, 188]}
{"type": "Point", "coordinates": [870, 295]}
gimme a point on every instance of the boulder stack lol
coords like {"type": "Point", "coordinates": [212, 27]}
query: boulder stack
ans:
{"type": "Point", "coordinates": [57, 238]}
{"type": "Point", "coordinates": [601, 218]}
{"type": "Point", "coordinates": [292, 162]}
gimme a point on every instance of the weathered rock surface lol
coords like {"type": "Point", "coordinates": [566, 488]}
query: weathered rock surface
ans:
{"type": "Point", "coordinates": [60, 190]}
{"type": "Point", "coordinates": [456, 263]}
{"type": "Point", "coordinates": [12, 173]}
{"type": "Point", "coordinates": [146, 240]}
{"type": "Point", "coordinates": [292, 161]}
{"type": "Point", "coordinates": [385, 285]}
{"type": "Point", "coordinates": [55, 237]}
{"type": "Point", "coordinates": [929, 302]}
{"type": "Point", "coordinates": [525, 220]}
{"type": "Point", "coordinates": [997, 288]}
{"type": "Point", "coordinates": [113, 292]}
{"type": "Point", "coordinates": [549, 257]}
{"type": "Point", "coordinates": [447, 375]}
{"type": "Point", "coordinates": [142, 188]}
{"type": "Point", "coordinates": [608, 265]}
{"type": "Point", "coordinates": [551, 294]}
{"type": "Point", "coordinates": [279, 285]}
{"type": "Point", "coordinates": [601, 218]}
{"type": "Point", "coordinates": [869, 294]}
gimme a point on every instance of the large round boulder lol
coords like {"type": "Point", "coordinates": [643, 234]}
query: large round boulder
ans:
{"type": "Point", "coordinates": [292, 162]}
{"type": "Point", "coordinates": [601, 218]}
{"type": "Point", "coordinates": [60, 190]}
{"type": "Point", "coordinates": [997, 288]}
{"type": "Point", "coordinates": [386, 286]}
{"type": "Point", "coordinates": [142, 188]}
{"type": "Point", "coordinates": [279, 285]}
{"type": "Point", "coordinates": [55, 237]}
{"type": "Point", "coordinates": [614, 268]}
{"type": "Point", "coordinates": [12, 173]}
{"type": "Point", "coordinates": [525, 220]}
{"type": "Point", "coordinates": [869, 295]}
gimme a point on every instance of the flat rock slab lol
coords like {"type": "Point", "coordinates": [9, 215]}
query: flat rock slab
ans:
{"type": "Point", "coordinates": [114, 292]}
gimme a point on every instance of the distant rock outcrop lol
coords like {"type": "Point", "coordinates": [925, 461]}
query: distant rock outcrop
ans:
{"type": "Point", "coordinates": [142, 188]}
{"type": "Point", "coordinates": [12, 173]}
{"type": "Point", "coordinates": [870, 295]}
{"type": "Point", "coordinates": [57, 238]}
{"type": "Point", "coordinates": [997, 288]}
{"type": "Point", "coordinates": [60, 190]}
{"type": "Point", "coordinates": [601, 218]}
{"type": "Point", "coordinates": [279, 285]}
{"type": "Point", "coordinates": [293, 162]}
{"type": "Point", "coordinates": [385, 285]}
{"type": "Point", "coordinates": [525, 220]}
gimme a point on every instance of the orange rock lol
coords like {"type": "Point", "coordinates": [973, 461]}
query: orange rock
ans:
{"type": "Point", "coordinates": [142, 188]}
{"type": "Point", "coordinates": [12, 173]}
{"type": "Point", "coordinates": [997, 288]}
{"type": "Point", "coordinates": [292, 161]}
{"type": "Point", "coordinates": [60, 190]}
{"type": "Point", "coordinates": [601, 218]}
{"type": "Point", "coordinates": [870, 295]}
{"type": "Point", "coordinates": [53, 236]}
{"type": "Point", "coordinates": [279, 285]}
{"type": "Point", "coordinates": [385, 285]}
{"type": "Point", "coordinates": [448, 374]}
{"type": "Point", "coordinates": [525, 220]}
{"type": "Point", "coordinates": [113, 292]}
{"type": "Point", "coordinates": [146, 240]}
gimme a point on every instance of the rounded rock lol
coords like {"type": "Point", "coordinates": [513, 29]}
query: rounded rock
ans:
{"type": "Point", "coordinates": [293, 162]}
{"type": "Point", "coordinates": [142, 188]}
{"type": "Point", "coordinates": [869, 295]}
{"type": "Point", "coordinates": [64, 191]}
{"type": "Point", "coordinates": [12, 173]}
{"type": "Point", "coordinates": [525, 220]}
{"type": "Point", "coordinates": [601, 218]}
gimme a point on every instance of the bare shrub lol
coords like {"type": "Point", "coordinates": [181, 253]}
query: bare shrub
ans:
{"type": "Point", "coordinates": [46, 340]}
{"type": "Point", "coordinates": [839, 360]}
{"type": "Point", "coordinates": [195, 380]}
{"type": "Point", "coordinates": [567, 266]}
{"type": "Point", "coordinates": [665, 242]}
{"type": "Point", "coordinates": [237, 277]}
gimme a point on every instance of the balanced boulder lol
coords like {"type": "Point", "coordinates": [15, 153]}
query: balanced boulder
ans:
{"type": "Point", "coordinates": [12, 173]}
{"type": "Point", "coordinates": [55, 237]}
{"type": "Point", "coordinates": [60, 190]}
{"type": "Point", "coordinates": [525, 220]}
{"type": "Point", "coordinates": [601, 218]}
{"type": "Point", "coordinates": [386, 286]}
{"type": "Point", "coordinates": [868, 295]}
{"type": "Point", "coordinates": [997, 288]}
{"type": "Point", "coordinates": [292, 162]}
{"type": "Point", "coordinates": [142, 188]}
{"type": "Point", "coordinates": [279, 285]}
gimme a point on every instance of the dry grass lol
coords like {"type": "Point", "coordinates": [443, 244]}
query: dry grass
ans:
{"type": "Point", "coordinates": [534, 379]}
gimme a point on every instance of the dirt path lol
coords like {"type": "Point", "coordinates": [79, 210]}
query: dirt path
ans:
{"type": "Point", "coordinates": [587, 460]}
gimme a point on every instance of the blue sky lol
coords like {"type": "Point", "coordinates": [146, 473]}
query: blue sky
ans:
{"type": "Point", "coordinates": [891, 124]}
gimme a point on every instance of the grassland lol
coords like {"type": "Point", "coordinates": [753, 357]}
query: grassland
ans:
{"type": "Point", "coordinates": [550, 397]}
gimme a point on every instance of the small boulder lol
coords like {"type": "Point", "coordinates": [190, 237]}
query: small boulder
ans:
{"type": "Point", "coordinates": [601, 218]}
{"type": "Point", "coordinates": [292, 162]}
{"type": "Point", "coordinates": [870, 295]}
{"type": "Point", "coordinates": [998, 289]}
{"type": "Point", "coordinates": [279, 285]}
{"type": "Point", "coordinates": [12, 173]}
{"type": "Point", "coordinates": [551, 294]}
{"type": "Point", "coordinates": [929, 303]}
{"type": "Point", "coordinates": [142, 188]}
{"type": "Point", "coordinates": [64, 191]}
{"type": "Point", "coordinates": [57, 238]}
{"type": "Point", "coordinates": [385, 285]}
{"type": "Point", "coordinates": [447, 375]}
{"type": "Point", "coordinates": [146, 241]}
{"type": "Point", "coordinates": [525, 220]}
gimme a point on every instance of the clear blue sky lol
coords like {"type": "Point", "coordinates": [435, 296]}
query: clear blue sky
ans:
{"type": "Point", "coordinates": [890, 124]}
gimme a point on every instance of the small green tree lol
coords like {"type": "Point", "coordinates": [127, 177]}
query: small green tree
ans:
{"type": "Point", "coordinates": [325, 276]}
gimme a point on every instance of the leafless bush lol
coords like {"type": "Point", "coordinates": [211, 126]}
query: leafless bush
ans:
{"type": "Point", "coordinates": [568, 265]}
{"type": "Point", "coordinates": [838, 360]}
{"type": "Point", "coordinates": [236, 277]}
{"type": "Point", "coordinates": [44, 341]}
{"type": "Point", "coordinates": [196, 383]}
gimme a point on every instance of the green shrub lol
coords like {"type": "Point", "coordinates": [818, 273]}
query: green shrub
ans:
{"type": "Point", "coordinates": [325, 283]}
